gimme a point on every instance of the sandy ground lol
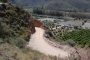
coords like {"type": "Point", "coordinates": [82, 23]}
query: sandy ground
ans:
{"type": "Point", "coordinates": [37, 42]}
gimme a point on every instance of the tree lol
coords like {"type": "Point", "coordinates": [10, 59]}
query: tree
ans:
{"type": "Point", "coordinates": [4, 1]}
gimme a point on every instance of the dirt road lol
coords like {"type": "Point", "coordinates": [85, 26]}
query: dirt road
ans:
{"type": "Point", "coordinates": [37, 42]}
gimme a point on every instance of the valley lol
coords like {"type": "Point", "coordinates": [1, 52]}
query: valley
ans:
{"type": "Point", "coordinates": [44, 30]}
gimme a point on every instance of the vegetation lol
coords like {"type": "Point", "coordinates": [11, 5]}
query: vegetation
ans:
{"type": "Point", "coordinates": [79, 15]}
{"type": "Point", "coordinates": [13, 21]}
{"type": "Point", "coordinates": [10, 52]}
{"type": "Point", "coordinates": [45, 12]}
{"type": "Point", "coordinates": [62, 5]}
{"type": "Point", "coordinates": [81, 37]}
{"type": "Point", "coordinates": [14, 34]}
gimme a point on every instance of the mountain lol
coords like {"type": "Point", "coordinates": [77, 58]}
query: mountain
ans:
{"type": "Point", "coordinates": [66, 5]}
{"type": "Point", "coordinates": [30, 3]}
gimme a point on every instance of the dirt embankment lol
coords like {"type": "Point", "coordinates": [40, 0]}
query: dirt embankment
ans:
{"type": "Point", "coordinates": [38, 23]}
{"type": "Point", "coordinates": [34, 23]}
{"type": "Point", "coordinates": [83, 53]}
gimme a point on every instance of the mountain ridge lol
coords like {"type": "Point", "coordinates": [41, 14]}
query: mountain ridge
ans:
{"type": "Point", "coordinates": [63, 5]}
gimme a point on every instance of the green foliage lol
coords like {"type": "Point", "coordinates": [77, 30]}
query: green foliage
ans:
{"type": "Point", "coordinates": [10, 52]}
{"type": "Point", "coordinates": [81, 37]}
{"type": "Point", "coordinates": [1, 58]}
{"type": "Point", "coordinates": [45, 12]}
{"type": "Point", "coordinates": [14, 15]}
{"type": "Point", "coordinates": [70, 42]}
{"type": "Point", "coordinates": [19, 42]}
{"type": "Point", "coordinates": [14, 23]}
{"type": "Point", "coordinates": [10, 12]}
{"type": "Point", "coordinates": [2, 13]}
{"type": "Point", "coordinates": [79, 15]}
{"type": "Point", "coordinates": [1, 41]}
{"type": "Point", "coordinates": [5, 30]}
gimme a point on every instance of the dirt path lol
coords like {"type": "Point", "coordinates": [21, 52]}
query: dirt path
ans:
{"type": "Point", "coordinates": [37, 42]}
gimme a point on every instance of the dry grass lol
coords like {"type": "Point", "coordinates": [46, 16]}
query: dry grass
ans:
{"type": "Point", "coordinates": [10, 52]}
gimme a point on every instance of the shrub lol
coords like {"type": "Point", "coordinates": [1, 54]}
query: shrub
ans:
{"type": "Point", "coordinates": [81, 37]}
{"type": "Point", "coordinates": [1, 41]}
{"type": "Point", "coordinates": [70, 42]}
{"type": "Point", "coordinates": [19, 42]}
{"type": "Point", "coordinates": [5, 30]}
{"type": "Point", "coordinates": [27, 38]}
{"type": "Point", "coordinates": [10, 12]}
{"type": "Point", "coordinates": [1, 58]}
{"type": "Point", "coordinates": [2, 13]}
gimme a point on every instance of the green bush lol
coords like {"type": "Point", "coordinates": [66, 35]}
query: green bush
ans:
{"type": "Point", "coordinates": [5, 30]}
{"type": "Point", "coordinates": [1, 41]}
{"type": "Point", "coordinates": [70, 42]}
{"type": "Point", "coordinates": [81, 37]}
{"type": "Point", "coordinates": [19, 42]}
{"type": "Point", "coordinates": [10, 12]}
{"type": "Point", "coordinates": [2, 13]}
{"type": "Point", "coordinates": [1, 58]}
{"type": "Point", "coordinates": [45, 12]}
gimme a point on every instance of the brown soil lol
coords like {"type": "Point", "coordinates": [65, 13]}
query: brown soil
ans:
{"type": "Point", "coordinates": [37, 23]}
{"type": "Point", "coordinates": [84, 53]}
{"type": "Point", "coordinates": [34, 23]}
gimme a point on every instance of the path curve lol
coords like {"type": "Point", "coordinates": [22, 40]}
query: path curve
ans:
{"type": "Point", "coordinates": [37, 42]}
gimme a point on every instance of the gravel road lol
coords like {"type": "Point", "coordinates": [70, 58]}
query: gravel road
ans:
{"type": "Point", "coordinates": [37, 42]}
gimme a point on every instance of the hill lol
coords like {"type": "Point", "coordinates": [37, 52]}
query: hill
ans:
{"type": "Point", "coordinates": [15, 28]}
{"type": "Point", "coordinates": [66, 5]}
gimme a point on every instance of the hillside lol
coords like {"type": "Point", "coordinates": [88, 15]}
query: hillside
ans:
{"type": "Point", "coordinates": [16, 25]}
{"type": "Point", "coordinates": [66, 5]}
